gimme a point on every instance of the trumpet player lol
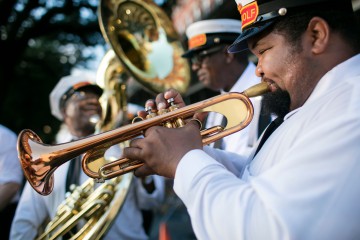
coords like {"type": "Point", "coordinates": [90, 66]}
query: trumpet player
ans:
{"type": "Point", "coordinates": [75, 101]}
{"type": "Point", "coordinates": [303, 181]}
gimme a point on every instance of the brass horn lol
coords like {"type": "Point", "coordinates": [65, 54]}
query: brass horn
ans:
{"type": "Point", "coordinates": [97, 206]}
{"type": "Point", "coordinates": [39, 160]}
{"type": "Point", "coordinates": [146, 43]}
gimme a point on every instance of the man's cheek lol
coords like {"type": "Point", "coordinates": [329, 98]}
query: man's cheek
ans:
{"type": "Point", "coordinates": [71, 111]}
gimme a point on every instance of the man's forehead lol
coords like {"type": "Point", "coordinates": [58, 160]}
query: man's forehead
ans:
{"type": "Point", "coordinates": [259, 39]}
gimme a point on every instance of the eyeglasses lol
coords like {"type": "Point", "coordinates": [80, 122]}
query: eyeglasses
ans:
{"type": "Point", "coordinates": [76, 95]}
{"type": "Point", "coordinates": [198, 58]}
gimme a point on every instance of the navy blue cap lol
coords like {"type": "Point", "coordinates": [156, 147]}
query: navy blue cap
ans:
{"type": "Point", "coordinates": [258, 15]}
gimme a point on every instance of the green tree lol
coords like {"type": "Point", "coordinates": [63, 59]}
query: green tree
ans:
{"type": "Point", "coordinates": [44, 40]}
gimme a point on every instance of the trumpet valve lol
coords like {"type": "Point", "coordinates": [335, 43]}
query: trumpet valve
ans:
{"type": "Point", "coordinates": [179, 122]}
{"type": "Point", "coordinates": [167, 124]}
{"type": "Point", "coordinates": [150, 113]}
{"type": "Point", "coordinates": [173, 106]}
{"type": "Point", "coordinates": [163, 111]}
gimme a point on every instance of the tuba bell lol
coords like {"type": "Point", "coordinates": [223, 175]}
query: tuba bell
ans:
{"type": "Point", "coordinates": [146, 43]}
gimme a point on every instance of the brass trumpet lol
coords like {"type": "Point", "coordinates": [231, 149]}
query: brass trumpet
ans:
{"type": "Point", "coordinates": [40, 160]}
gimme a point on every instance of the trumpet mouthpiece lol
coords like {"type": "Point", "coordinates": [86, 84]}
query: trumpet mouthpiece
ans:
{"type": "Point", "coordinates": [257, 90]}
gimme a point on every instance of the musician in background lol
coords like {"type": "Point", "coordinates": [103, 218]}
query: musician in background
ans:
{"type": "Point", "coordinates": [75, 101]}
{"type": "Point", "coordinates": [11, 177]}
{"type": "Point", "coordinates": [224, 72]}
{"type": "Point", "coordinates": [303, 182]}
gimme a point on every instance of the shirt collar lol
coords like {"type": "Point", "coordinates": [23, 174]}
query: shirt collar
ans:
{"type": "Point", "coordinates": [332, 80]}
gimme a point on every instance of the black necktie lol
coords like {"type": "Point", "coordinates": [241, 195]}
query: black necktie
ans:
{"type": "Point", "coordinates": [73, 174]}
{"type": "Point", "coordinates": [269, 130]}
{"type": "Point", "coordinates": [219, 143]}
{"type": "Point", "coordinates": [264, 120]}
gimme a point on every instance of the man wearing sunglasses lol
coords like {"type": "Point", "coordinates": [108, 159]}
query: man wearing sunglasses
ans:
{"type": "Point", "coordinates": [221, 71]}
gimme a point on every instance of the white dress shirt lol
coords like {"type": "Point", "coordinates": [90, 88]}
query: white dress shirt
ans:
{"type": "Point", "coordinates": [10, 167]}
{"type": "Point", "coordinates": [243, 141]}
{"type": "Point", "coordinates": [303, 183]}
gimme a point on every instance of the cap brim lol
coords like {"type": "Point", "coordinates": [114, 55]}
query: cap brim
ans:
{"type": "Point", "coordinates": [98, 90]}
{"type": "Point", "coordinates": [240, 43]}
{"type": "Point", "coordinates": [190, 53]}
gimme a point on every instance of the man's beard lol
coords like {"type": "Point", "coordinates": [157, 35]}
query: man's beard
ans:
{"type": "Point", "coordinates": [277, 103]}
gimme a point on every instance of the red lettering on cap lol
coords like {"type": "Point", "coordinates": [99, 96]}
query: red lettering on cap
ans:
{"type": "Point", "coordinates": [197, 41]}
{"type": "Point", "coordinates": [249, 13]}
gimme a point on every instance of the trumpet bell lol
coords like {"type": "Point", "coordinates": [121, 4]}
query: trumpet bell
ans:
{"type": "Point", "coordinates": [28, 146]}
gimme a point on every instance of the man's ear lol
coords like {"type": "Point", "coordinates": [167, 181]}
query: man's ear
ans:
{"type": "Point", "coordinates": [319, 32]}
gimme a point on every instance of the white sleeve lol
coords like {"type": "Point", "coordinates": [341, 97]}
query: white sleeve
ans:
{"type": "Point", "coordinates": [10, 169]}
{"type": "Point", "coordinates": [231, 161]}
{"type": "Point", "coordinates": [30, 214]}
{"type": "Point", "coordinates": [215, 198]}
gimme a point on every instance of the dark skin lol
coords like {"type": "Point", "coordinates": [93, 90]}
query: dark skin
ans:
{"type": "Point", "coordinates": [296, 71]}
{"type": "Point", "coordinates": [78, 110]}
{"type": "Point", "coordinates": [299, 72]}
{"type": "Point", "coordinates": [219, 71]}
{"type": "Point", "coordinates": [7, 192]}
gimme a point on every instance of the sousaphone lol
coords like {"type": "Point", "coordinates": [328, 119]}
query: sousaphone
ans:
{"type": "Point", "coordinates": [146, 43]}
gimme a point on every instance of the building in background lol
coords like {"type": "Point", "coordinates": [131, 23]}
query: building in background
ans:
{"type": "Point", "coordinates": [186, 12]}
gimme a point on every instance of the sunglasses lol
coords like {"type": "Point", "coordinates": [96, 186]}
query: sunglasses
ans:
{"type": "Point", "coordinates": [198, 58]}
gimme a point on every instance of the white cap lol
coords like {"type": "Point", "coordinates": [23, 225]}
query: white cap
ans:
{"type": "Point", "coordinates": [209, 33]}
{"type": "Point", "coordinates": [213, 26]}
{"type": "Point", "coordinates": [68, 83]}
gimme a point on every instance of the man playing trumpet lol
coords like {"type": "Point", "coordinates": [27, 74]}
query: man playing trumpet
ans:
{"type": "Point", "coordinates": [303, 182]}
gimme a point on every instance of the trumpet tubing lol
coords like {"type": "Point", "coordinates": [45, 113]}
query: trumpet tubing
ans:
{"type": "Point", "coordinates": [39, 160]}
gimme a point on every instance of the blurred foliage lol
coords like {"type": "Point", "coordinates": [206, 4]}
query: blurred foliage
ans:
{"type": "Point", "coordinates": [44, 40]}
{"type": "Point", "coordinates": [41, 41]}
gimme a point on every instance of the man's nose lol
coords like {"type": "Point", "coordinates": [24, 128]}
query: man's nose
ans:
{"type": "Point", "coordinates": [195, 66]}
{"type": "Point", "coordinates": [258, 71]}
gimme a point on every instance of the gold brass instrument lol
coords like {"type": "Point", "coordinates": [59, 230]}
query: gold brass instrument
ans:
{"type": "Point", "coordinates": [97, 207]}
{"type": "Point", "coordinates": [146, 43]}
{"type": "Point", "coordinates": [90, 208]}
{"type": "Point", "coordinates": [39, 160]}
{"type": "Point", "coordinates": [111, 77]}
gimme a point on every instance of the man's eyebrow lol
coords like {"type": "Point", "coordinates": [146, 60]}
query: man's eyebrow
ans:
{"type": "Point", "coordinates": [255, 44]}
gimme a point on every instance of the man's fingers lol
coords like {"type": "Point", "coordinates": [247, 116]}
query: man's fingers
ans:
{"type": "Point", "coordinates": [161, 102]}
{"type": "Point", "coordinates": [143, 171]}
{"type": "Point", "coordinates": [172, 93]}
{"type": "Point", "coordinates": [132, 153]}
